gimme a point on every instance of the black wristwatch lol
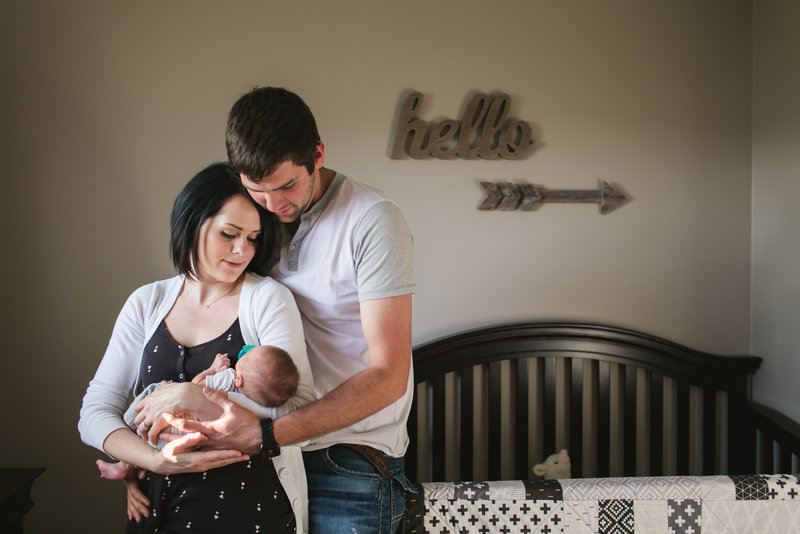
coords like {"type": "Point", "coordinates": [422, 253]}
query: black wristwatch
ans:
{"type": "Point", "coordinates": [269, 447]}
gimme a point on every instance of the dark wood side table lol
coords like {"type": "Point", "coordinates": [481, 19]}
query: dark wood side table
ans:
{"type": "Point", "coordinates": [15, 497]}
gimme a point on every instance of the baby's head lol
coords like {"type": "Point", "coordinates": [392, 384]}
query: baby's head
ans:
{"type": "Point", "coordinates": [267, 375]}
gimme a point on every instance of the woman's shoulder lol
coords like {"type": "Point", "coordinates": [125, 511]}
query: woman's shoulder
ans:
{"type": "Point", "coordinates": [257, 283]}
{"type": "Point", "coordinates": [265, 289]}
{"type": "Point", "coordinates": [158, 287]}
{"type": "Point", "coordinates": [149, 295]}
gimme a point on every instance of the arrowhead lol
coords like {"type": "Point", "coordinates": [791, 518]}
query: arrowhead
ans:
{"type": "Point", "coordinates": [493, 196]}
{"type": "Point", "coordinates": [530, 196]}
{"type": "Point", "coordinates": [610, 198]}
{"type": "Point", "coordinates": [511, 196]}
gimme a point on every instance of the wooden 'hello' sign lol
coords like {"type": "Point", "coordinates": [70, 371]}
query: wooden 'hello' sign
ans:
{"type": "Point", "coordinates": [483, 131]}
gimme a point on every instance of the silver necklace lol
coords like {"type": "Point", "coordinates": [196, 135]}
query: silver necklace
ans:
{"type": "Point", "coordinates": [208, 306]}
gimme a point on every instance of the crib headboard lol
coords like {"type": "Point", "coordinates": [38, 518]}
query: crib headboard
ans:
{"type": "Point", "coordinates": [490, 403]}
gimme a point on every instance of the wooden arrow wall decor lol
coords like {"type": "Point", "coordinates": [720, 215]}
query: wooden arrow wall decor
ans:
{"type": "Point", "coordinates": [507, 196]}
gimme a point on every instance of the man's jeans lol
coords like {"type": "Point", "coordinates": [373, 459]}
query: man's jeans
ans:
{"type": "Point", "coordinates": [347, 495]}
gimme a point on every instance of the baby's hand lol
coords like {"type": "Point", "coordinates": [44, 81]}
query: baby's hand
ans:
{"type": "Point", "coordinates": [221, 362]}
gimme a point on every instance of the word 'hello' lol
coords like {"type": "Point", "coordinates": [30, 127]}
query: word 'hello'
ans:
{"type": "Point", "coordinates": [481, 132]}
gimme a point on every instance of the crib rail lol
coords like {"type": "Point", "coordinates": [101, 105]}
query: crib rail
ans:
{"type": "Point", "coordinates": [493, 402]}
{"type": "Point", "coordinates": [776, 440]}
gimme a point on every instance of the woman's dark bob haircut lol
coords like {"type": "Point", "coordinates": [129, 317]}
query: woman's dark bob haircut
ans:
{"type": "Point", "coordinates": [202, 197]}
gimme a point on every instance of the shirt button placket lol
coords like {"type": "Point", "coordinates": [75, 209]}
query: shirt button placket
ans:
{"type": "Point", "coordinates": [181, 364]}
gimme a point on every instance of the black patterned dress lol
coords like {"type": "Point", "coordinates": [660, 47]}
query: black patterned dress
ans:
{"type": "Point", "coordinates": [245, 497]}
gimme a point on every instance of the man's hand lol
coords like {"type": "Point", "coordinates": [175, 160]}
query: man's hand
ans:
{"type": "Point", "coordinates": [183, 455]}
{"type": "Point", "coordinates": [227, 426]}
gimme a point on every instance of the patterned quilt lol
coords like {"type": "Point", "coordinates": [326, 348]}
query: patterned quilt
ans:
{"type": "Point", "coordinates": [687, 504]}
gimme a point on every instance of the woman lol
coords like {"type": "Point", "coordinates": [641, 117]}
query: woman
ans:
{"type": "Point", "coordinates": [220, 243]}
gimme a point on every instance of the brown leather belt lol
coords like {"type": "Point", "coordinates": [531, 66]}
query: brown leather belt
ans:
{"type": "Point", "coordinates": [373, 456]}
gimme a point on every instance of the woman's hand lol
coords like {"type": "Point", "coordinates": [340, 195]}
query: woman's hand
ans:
{"type": "Point", "coordinates": [173, 398]}
{"type": "Point", "coordinates": [138, 503]}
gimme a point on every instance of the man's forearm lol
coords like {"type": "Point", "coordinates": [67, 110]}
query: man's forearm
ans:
{"type": "Point", "coordinates": [386, 324]}
{"type": "Point", "coordinates": [362, 395]}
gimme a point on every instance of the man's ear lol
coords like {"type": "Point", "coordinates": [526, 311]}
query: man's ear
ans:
{"type": "Point", "coordinates": [319, 156]}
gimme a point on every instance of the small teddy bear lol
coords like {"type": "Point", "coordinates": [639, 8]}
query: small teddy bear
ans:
{"type": "Point", "coordinates": [556, 466]}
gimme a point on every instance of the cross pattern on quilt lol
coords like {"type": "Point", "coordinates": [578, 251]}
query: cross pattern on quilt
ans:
{"type": "Point", "coordinates": [683, 516]}
{"type": "Point", "coordinates": [675, 505]}
{"type": "Point", "coordinates": [487, 516]}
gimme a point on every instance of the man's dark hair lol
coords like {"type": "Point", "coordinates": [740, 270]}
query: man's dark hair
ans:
{"type": "Point", "coordinates": [202, 197]}
{"type": "Point", "coordinates": [268, 126]}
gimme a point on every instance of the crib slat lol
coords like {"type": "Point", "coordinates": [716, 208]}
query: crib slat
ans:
{"type": "Point", "coordinates": [603, 419]}
{"type": "Point", "coordinates": [721, 460]}
{"type": "Point", "coordinates": [643, 422]}
{"type": "Point", "coordinates": [629, 447]}
{"type": "Point", "coordinates": [495, 421]}
{"type": "Point", "coordinates": [695, 430]}
{"type": "Point", "coordinates": [536, 382]}
{"type": "Point", "coordinates": [521, 469]}
{"type": "Point", "coordinates": [563, 396]}
{"type": "Point", "coordinates": [466, 418]}
{"type": "Point", "coordinates": [683, 429]}
{"type": "Point", "coordinates": [657, 425]}
{"type": "Point", "coordinates": [670, 427]}
{"type": "Point", "coordinates": [590, 399]}
{"type": "Point", "coordinates": [709, 431]}
{"type": "Point", "coordinates": [616, 464]}
{"type": "Point", "coordinates": [549, 403]}
{"type": "Point", "coordinates": [438, 428]}
{"type": "Point", "coordinates": [575, 444]}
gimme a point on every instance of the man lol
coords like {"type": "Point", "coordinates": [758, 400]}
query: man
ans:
{"type": "Point", "coordinates": [349, 264]}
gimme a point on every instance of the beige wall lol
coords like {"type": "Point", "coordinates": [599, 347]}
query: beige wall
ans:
{"type": "Point", "coordinates": [776, 217]}
{"type": "Point", "coordinates": [108, 109]}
